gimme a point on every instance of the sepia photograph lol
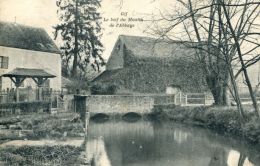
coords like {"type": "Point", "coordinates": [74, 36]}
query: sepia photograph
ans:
{"type": "Point", "coordinates": [129, 83]}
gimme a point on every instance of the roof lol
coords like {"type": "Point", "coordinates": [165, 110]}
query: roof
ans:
{"type": "Point", "coordinates": [26, 37]}
{"type": "Point", "coordinates": [143, 47]}
{"type": "Point", "coordinates": [25, 72]}
{"type": "Point", "coordinates": [106, 75]}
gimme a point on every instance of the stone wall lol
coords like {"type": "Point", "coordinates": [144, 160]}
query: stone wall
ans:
{"type": "Point", "coordinates": [119, 104]}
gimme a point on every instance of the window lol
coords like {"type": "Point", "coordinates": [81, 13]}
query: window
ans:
{"type": "Point", "coordinates": [4, 62]}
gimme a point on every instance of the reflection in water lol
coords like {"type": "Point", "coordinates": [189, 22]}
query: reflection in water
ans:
{"type": "Point", "coordinates": [151, 144]}
{"type": "Point", "coordinates": [96, 152]}
{"type": "Point", "coordinates": [180, 136]}
{"type": "Point", "coordinates": [219, 157]}
{"type": "Point", "coordinates": [235, 158]}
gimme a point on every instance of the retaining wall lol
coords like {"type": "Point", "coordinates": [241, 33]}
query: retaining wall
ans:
{"type": "Point", "coordinates": [119, 104]}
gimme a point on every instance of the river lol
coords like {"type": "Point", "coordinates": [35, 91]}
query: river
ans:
{"type": "Point", "coordinates": [144, 143]}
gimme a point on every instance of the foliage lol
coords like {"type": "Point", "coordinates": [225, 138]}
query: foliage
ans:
{"type": "Point", "coordinates": [77, 84]}
{"type": "Point", "coordinates": [43, 126]}
{"type": "Point", "coordinates": [32, 106]}
{"type": "Point", "coordinates": [100, 89]}
{"type": "Point", "coordinates": [47, 155]}
{"type": "Point", "coordinates": [252, 130]}
{"type": "Point", "coordinates": [80, 32]}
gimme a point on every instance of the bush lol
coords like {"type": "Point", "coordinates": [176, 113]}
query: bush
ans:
{"type": "Point", "coordinates": [251, 131]}
{"type": "Point", "coordinates": [99, 89]}
{"type": "Point", "coordinates": [27, 155]}
{"type": "Point", "coordinates": [111, 89]}
{"type": "Point", "coordinates": [32, 106]}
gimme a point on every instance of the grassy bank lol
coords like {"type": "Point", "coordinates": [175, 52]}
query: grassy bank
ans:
{"type": "Point", "coordinates": [41, 126]}
{"type": "Point", "coordinates": [225, 120]}
{"type": "Point", "coordinates": [63, 126]}
{"type": "Point", "coordinates": [26, 155]}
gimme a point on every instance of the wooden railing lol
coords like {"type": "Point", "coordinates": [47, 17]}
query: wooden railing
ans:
{"type": "Point", "coordinates": [193, 99]}
{"type": "Point", "coordinates": [29, 95]}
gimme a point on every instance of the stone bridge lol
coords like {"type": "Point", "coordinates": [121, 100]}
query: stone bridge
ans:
{"type": "Point", "coordinates": [120, 104]}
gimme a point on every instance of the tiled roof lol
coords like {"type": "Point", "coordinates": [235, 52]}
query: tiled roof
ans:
{"type": "Point", "coordinates": [25, 72]}
{"type": "Point", "coordinates": [143, 47]}
{"type": "Point", "coordinates": [26, 37]}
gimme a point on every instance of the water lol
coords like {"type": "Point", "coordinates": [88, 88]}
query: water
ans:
{"type": "Point", "coordinates": [145, 143]}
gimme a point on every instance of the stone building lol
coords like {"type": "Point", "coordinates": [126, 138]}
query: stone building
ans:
{"type": "Point", "coordinates": [26, 51]}
{"type": "Point", "coordinates": [148, 65]}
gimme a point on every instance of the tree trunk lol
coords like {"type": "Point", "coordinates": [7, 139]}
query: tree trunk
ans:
{"type": "Point", "coordinates": [242, 159]}
{"type": "Point", "coordinates": [218, 89]}
{"type": "Point", "coordinates": [216, 86]}
{"type": "Point", "coordinates": [236, 94]}
{"type": "Point", "coordinates": [75, 60]}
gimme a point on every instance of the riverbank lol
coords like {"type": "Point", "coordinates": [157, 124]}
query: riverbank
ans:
{"type": "Point", "coordinates": [41, 126]}
{"type": "Point", "coordinates": [42, 139]}
{"type": "Point", "coordinates": [225, 120]}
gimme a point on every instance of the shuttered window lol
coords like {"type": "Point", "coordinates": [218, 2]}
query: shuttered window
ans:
{"type": "Point", "coordinates": [4, 62]}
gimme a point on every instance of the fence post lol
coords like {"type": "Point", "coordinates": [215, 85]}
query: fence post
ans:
{"type": "Point", "coordinates": [205, 98]}
{"type": "Point", "coordinates": [17, 94]}
{"type": "Point", "coordinates": [180, 98]}
{"type": "Point", "coordinates": [7, 95]}
{"type": "Point", "coordinates": [50, 93]}
{"type": "Point", "coordinates": [57, 101]}
{"type": "Point", "coordinates": [28, 94]}
{"type": "Point", "coordinates": [186, 99]}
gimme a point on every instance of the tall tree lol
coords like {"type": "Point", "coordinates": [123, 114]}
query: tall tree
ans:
{"type": "Point", "coordinates": [212, 24]}
{"type": "Point", "coordinates": [80, 33]}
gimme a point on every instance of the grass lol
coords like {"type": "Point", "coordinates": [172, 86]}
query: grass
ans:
{"type": "Point", "coordinates": [54, 126]}
{"type": "Point", "coordinates": [40, 156]}
{"type": "Point", "coordinates": [58, 126]}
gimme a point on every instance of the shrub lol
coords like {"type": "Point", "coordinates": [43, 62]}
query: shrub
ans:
{"type": "Point", "coordinates": [96, 89]}
{"type": "Point", "coordinates": [111, 89]}
{"type": "Point", "coordinates": [47, 155]}
{"type": "Point", "coordinates": [99, 89]}
{"type": "Point", "coordinates": [251, 131]}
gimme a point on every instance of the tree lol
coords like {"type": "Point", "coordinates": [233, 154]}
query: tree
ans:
{"type": "Point", "coordinates": [80, 32]}
{"type": "Point", "coordinates": [220, 29]}
{"type": "Point", "coordinates": [207, 53]}
{"type": "Point", "coordinates": [239, 35]}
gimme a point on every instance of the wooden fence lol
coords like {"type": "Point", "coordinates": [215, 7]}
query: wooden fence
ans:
{"type": "Point", "coordinates": [193, 99]}
{"type": "Point", "coordinates": [30, 100]}
{"type": "Point", "coordinates": [205, 99]}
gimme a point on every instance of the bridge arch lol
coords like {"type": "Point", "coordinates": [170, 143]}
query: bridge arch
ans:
{"type": "Point", "coordinates": [131, 117]}
{"type": "Point", "coordinates": [100, 117]}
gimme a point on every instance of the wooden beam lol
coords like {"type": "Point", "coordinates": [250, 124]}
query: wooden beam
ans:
{"type": "Point", "coordinates": [17, 80]}
{"type": "Point", "coordinates": [39, 80]}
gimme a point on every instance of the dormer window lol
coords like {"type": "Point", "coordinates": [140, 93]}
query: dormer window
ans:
{"type": "Point", "coordinates": [4, 62]}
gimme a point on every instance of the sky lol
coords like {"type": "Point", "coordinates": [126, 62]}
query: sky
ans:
{"type": "Point", "coordinates": [43, 13]}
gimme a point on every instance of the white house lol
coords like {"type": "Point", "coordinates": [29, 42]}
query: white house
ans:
{"type": "Point", "coordinates": [28, 49]}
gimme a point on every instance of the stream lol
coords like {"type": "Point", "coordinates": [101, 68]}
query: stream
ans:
{"type": "Point", "coordinates": [145, 143]}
